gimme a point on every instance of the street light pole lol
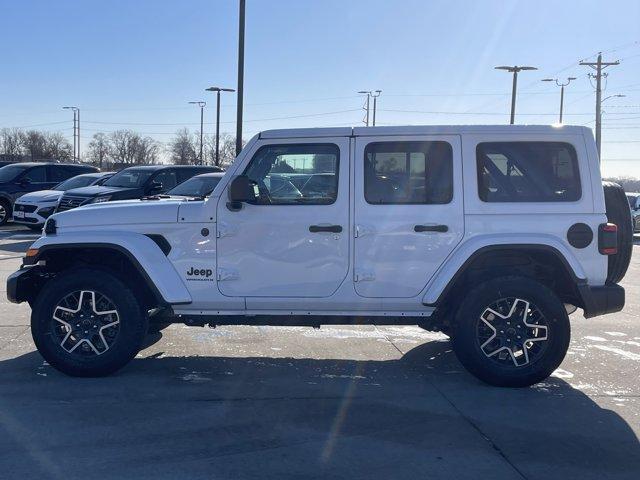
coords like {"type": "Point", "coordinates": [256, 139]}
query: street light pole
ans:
{"type": "Point", "coordinates": [241, 23]}
{"type": "Point", "coordinates": [218, 90]}
{"type": "Point", "coordinates": [375, 96]}
{"type": "Point", "coordinates": [201, 105]}
{"type": "Point", "coordinates": [76, 132]}
{"type": "Point", "coordinates": [515, 70]}
{"type": "Point", "coordinates": [369, 94]}
{"type": "Point", "coordinates": [561, 85]}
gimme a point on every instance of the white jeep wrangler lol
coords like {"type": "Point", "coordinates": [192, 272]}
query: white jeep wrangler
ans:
{"type": "Point", "coordinates": [492, 234]}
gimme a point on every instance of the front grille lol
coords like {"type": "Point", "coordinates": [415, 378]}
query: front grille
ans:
{"type": "Point", "coordinates": [69, 202]}
{"type": "Point", "coordinates": [21, 207]}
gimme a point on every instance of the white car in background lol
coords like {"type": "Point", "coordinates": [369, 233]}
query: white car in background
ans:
{"type": "Point", "coordinates": [33, 209]}
{"type": "Point", "coordinates": [634, 204]}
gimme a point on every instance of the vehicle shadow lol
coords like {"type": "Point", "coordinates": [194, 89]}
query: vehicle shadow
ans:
{"type": "Point", "coordinates": [265, 417]}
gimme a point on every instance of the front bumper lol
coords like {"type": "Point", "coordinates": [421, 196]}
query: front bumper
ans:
{"type": "Point", "coordinates": [21, 285]}
{"type": "Point", "coordinates": [600, 300]}
{"type": "Point", "coordinates": [35, 218]}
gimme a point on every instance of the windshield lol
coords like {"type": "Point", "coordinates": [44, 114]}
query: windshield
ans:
{"type": "Point", "coordinates": [75, 182]}
{"type": "Point", "coordinates": [130, 177]}
{"type": "Point", "coordinates": [632, 200]}
{"type": "Point", "coordinates": [195, 187]}
{"type": "Point", "coordinates": [10, 172]}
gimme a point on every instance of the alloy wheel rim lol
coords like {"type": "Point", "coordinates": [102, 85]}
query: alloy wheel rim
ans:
{"type": "Point", "coordinates": [512, 332]}
{"type": "Point", "coordinates": [85, 323]}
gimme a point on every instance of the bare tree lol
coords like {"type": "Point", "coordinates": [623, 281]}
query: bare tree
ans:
{"type": "Point", "coordinates": [147, 150]}
{"type": "Point", "coordinates": [182, 148]}
{"type": "Point", "coordinates": [121, 146]}
{"type": "Point", "coordinates": [99, 149]}
{"type": "Point", "coordinates": [130, 148]}
{"type": "Point", "coordinates": [57, 147]}
{"type": "Point", "coordinates": [11, 142]}
{"type": "Point", "coordinates": [227, 149]}
{"type": "Point", "coordinates": [34, 144]}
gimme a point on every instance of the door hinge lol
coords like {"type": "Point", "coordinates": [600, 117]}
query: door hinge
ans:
{"type": "Point", "coordinates": [223, 274]}
{"type": "Point", "coordinates": [362, 230]}
{"type": "Point", "coordinates": [364, 277]}
{"type": "Point", "coordinates": [225, 230]}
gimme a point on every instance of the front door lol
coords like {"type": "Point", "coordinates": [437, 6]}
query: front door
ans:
{"type": "Point", "coordinates": [408, 211]}
{"type": "Point", "coordinates": [293, 240]}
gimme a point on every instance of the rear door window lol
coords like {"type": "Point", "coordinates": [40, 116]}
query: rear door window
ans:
{"type": "Point", "coordinates": [36, 174]}
{"type": "Point", "coordinates": [408, 173]}
{"type": "Point", "coordinates": [167, 178]}
{"type": "Point", "coordinates": [527, 172]}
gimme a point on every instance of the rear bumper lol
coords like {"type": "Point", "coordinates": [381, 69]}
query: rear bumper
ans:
{"type": "Point", "coordinates": [600, 300]}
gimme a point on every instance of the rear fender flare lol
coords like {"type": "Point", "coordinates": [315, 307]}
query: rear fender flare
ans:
{"type": "Point", "coordinates": [460, 258]}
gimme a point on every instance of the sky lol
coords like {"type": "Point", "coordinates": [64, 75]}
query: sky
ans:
{"type": "Point", "coordinates": [137, 64]}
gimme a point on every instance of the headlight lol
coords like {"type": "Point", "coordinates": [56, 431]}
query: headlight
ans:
{"type": "Point", "coordinates": [46, 211]}
{"type": "Point", "coordinates": [104, 198]}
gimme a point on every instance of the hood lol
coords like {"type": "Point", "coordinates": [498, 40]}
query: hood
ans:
{"type": "Point", "coordinates": [125, 212]}
{"type": "Point", "coordinates": [41, 196]}
{"type": "Point", "coordinates": [96, 190]}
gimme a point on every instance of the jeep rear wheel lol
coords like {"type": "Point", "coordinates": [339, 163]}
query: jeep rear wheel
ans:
{"type": "Point", "coordinates": [511, 332]}
{"type": "Point", "coordinates": [87, 323]}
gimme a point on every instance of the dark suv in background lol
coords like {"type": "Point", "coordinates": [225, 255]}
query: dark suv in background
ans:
{"type": "Point", "coordinates": [20, 178]}
{"type": "Point", "coordinates": [132, 183]}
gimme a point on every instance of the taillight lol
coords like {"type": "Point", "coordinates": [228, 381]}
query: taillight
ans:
{"type": "Point", "coordinates": [608, 239]}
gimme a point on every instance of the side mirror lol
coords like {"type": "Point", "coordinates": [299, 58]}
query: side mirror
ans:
{"type": "Point", "coordinates": [155, 187]}
{"type": "Point", "coordinates": [242, 189]}
{"type": "Point", "coordinates": [24, 182]}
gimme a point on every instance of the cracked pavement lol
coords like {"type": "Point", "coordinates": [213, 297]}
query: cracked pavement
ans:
{"type": "Point", "coordinates": [339, 402]}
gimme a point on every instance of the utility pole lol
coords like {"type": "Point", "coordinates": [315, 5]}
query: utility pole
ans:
{"type": "Point", "coordinates": [599, 66]}
{"type": "Point", "coordinates": [218, 90]}
{"type": "Point", "coordinates": [561, 85]}
{"type": "Point", "coordinates": [76, 132]}
{"type": "Point", "coordinates": [375, 96]}
{"type": "Point", "coordinates": [515, 70]}
{"type": "Point", "coordinates": [201, 105]}
{"type": "Point", "coordinates": [240, 77]}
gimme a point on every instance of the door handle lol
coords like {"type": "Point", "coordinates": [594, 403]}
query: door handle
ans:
{"type": "Point", "coordinates": [431, 228]}
{"type": "Point", "coordinates": [325, 228]}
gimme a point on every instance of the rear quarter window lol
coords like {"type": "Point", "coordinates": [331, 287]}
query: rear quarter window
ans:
{"type": "Point", "coordinates": [528, 172]}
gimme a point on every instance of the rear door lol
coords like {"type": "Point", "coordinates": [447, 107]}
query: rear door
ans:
{"type": "Point", "coordinates": [37, 179]}
{"type": "Point", "coordinates": [408, 211]}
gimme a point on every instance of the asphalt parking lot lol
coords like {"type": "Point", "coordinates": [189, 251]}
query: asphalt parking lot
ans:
{"type": "Point", "coordinates": [339, 402]}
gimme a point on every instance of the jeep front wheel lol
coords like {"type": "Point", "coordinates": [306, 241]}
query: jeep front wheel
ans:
{"type": "Point", "coordinates": [87, 323]}
{"type": "Point", "coordinates": [511, 332]}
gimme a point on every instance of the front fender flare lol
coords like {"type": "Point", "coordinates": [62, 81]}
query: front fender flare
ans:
{"type": "Point", "coordinates": [144, 254]}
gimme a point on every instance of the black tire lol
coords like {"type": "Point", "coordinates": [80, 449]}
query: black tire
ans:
{"type": "Point", "coordinates": [126, 342]}
{"type": "Point", "coordinates": [5, 211]}
{"type": "Point", "coordinates": [157, 327]}
{"type": "Point", "coordinates": [618, 212]}
{"type": "Point", "coordinates": [546, 309]}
